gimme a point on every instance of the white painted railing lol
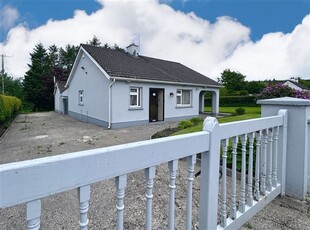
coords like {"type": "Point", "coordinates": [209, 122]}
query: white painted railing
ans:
{"type": "Point", "coordinates": [30, 181]}
{"type": "Point", "coordinates": [267, 136]}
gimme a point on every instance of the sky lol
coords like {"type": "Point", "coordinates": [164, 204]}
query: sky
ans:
{"type": "Point", "coordinates": [262, 39]}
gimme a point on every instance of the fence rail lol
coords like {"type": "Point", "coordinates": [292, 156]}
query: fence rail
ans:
{"type": "Point", "coordinates": [30, 181]}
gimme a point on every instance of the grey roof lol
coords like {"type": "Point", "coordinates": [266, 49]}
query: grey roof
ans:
{"type": "Point", "coordinates": [299, 85]}
{"type": "Point", "coordinates": [61, 86]}
{"type": "Point", "coordinates": [120, 64]}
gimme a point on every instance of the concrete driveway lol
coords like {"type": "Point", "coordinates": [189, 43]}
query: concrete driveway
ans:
{"type": "Point", "coordinates": [45, 134]}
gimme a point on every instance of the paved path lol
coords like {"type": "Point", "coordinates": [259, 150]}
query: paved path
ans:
{"type": "Point", "coordinates": [45, 134]}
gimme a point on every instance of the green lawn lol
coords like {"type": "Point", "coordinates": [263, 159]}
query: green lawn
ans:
{"type": "Point", "coordinates": [248, 110]}
{"type": "Point", "coordinates": [250, 113]}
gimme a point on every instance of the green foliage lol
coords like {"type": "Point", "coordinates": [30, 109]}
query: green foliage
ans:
{"type": "Point", "coordinates": [255, 87]}
{"type": "Point", "coordinates": [185, 124]}
{"type": "Point", "coordinates": [233, 81]}
{"type": "Point", "coordinates": [234, 101]}
{"type": "Point", "coordinates": [239, 154]}
{"type": "Point", "coordinates": [195, 120]}
{"type": "Point", "coordinates": [9, 107]}
{"type": "Point", "coordinates": [37, 80]}
{"type": "Point", "coordinates": [240, 111]}
{"type": "Point", "coordinates": [94, 41]}
{"type": "Point", "coordinates": [278, 90]}
{"type": "Point", "coordinates": [12, 87]}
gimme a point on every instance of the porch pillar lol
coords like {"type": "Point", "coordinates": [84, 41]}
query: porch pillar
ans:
{"type": "Point", "coordinates": [298, 147]}
{"type": "Point", "coordinates": [215, 101]}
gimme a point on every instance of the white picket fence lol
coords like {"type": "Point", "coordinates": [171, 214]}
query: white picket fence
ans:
{"type": "Point", "coordinates": [30, 181]}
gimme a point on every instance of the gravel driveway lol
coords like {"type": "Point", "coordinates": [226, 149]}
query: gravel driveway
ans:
{"type": "Point", "coordinates": [45, 134]}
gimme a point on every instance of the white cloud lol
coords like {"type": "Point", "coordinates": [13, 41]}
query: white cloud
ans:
{"type": "Point", "coordinates": [165, 33]}
{"type": "Point", "coordinates": [8, 17]}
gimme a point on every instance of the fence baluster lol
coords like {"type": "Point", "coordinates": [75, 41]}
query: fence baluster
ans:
{"type": "Point", "coordinates": [33, 214]}
{"type": "Point", "coordinates": [250, 171]}
{"type": "Point", "coordinates": [149, 174]}
{"type": "Point", "coordinates": [269, 160]}
{"type": "Point", "coordinates": [223, 214]}
{"type": "Point", "coordinates": [263, 162]}
{"type": "Point", "coordinates": [191, 161]}
{"type": "Point", "coordinates": [257, 163]}
{"type": "Point", "coordinates": [233, 209]}
{"type": "Point", "coordinates": [121, 183]}
{"type": "Point", "coordinates": [275, 157]}
{"type": "Point", "coordinates": [173, 167]}
{"type": "Point", "coordinates": [243, 176]}
{"type": "Point", "coordinates": [84, 196]}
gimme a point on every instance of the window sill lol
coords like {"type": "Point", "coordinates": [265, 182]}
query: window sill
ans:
{"type": "Point", "coordinates": [183, 106]}
{"type": "Point", "coordinates": [135, 108]}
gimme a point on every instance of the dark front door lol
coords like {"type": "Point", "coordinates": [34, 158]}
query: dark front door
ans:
{"type": "Point", "coordinates": [65, 101]}
{"type": "Point", "coordinates": [156, 105]}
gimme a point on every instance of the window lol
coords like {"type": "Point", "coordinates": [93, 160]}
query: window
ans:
{"type": "Point", "coordinates": [183, 97]}
{"type": "Point", "coordinates": [81, 95]}
{"type": "Point", "coordinates": [135, 97]}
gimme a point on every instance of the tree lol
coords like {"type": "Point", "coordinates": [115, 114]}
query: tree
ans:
{"type": "Point", "coordinates": [233, 81]}
{"type": "Point", "coordinates": [255, 87]}
{"type": "Point", "coordinates": [33, 81]}
{"type": "Point", "coordinates": [94, 41]}
{"type": "Point", "coordinates": [13, 87]}
{"type": "Point", "coordinates": [67, 57]}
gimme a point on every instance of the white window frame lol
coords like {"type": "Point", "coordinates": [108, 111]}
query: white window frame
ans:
{"type": "Point", "coordinates": [180, 94]}
{"type": "Point", "coordinates": [138, 94]}
{"type": "Point", "coordinates": [81, 97]}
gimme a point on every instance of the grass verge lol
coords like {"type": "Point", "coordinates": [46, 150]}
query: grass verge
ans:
{"type": "Point", "coordinates": [221, 120]}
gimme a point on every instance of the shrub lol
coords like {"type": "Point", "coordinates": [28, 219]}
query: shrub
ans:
{"type": "Point", "coordinates": [9, 107]}
{"type": "Point", "coordinates": [278, 90]}
{"type": "Point", "coordinates": [195, 120]}
{"type": "Point", "coordinates": [240, 111]}
{"type": "Point", "coordinates": [185, 124]}
{"type": "Point", "coordinates": [234, 101]}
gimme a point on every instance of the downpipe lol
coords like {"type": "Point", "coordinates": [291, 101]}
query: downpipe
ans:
{"type": "Point", "coordinates": [110, 103]}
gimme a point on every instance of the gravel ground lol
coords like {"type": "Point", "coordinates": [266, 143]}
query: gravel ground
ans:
{"type": "Point", "coordinates": [45, 134]}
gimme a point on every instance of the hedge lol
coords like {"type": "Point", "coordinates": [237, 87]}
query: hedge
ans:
{"type": "Point", "coordinates": [234, 101]}
{"type": "Point", "coordinates": [9, 107]}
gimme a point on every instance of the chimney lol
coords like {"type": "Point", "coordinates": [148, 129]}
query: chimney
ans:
{"type": "Point", "coordinates": [133, 49]}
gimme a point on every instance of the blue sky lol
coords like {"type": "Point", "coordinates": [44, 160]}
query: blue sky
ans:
{"type": "Point", "coordinates": [261, 16]}
{"type": "Point", "coordinates": [263, 39]}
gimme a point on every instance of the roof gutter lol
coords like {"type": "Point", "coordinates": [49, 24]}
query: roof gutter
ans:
{"type": "Point", "coordinates": [110, 103]}
{"type": "Point", "coordinates": [166, 82]}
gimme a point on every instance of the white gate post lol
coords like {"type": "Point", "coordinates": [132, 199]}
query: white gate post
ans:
{"type": "Point", "coordinates": [209, 180]}
{"type": "Point", "coordinates": [298, 133]}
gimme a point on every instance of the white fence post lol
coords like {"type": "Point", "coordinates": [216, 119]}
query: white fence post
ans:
{"type": "Point", "coordinates": [209, 180]}
{"type": "Point", "coordinates": [33, 215]}
{"type": "Point", "coordinates": [297, 159]}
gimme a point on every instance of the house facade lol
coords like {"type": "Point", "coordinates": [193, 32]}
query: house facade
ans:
{"type": "Point", "coordinates": [296, 85]}
{"type": "Point", "coordinates": [116, 89]}
{"type": "Point", "coordinates": [60, 97]}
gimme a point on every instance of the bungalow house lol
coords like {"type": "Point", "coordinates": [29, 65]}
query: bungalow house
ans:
{"type": "Point", "coordinates": [60, 97]}
{"type": "Point", "coordinates": [117, 89]}
{"type": "Point", "coordinates": [296, 85]}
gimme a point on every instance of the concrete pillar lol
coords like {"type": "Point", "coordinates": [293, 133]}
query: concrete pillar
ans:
{"type": "Point", "coordinates": [215, 102]}
{"type": "Point", "coordinates": [298, 134]}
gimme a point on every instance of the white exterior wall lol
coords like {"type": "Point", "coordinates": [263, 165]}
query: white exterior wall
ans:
{"type": "Point", "coordinates": [57, 100]}
{"type": "Point", "coordinates": [122, 113]}
{"type": "Point", "coordinates": [291, 85]}
{"type": "Point", "coordinates": [95, 88]}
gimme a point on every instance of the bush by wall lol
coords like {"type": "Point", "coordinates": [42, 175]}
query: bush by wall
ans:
{"type": "Point", "coordinates": [9, 107]}
{"type": "Point", "coordinates": [234, 101]}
